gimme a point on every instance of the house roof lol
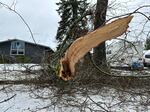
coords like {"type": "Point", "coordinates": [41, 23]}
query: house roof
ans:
{"type": "Point", "coordinates": [27, 42]}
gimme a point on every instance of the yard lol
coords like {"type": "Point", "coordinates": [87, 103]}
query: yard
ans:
{"type": "Point", "coordinates": [90, 97]}
{"type": "Point", "coordinates": [88, 55]}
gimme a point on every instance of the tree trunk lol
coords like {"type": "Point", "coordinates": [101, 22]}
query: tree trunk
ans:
{"type": "Point", "coordinates": [100, 17]}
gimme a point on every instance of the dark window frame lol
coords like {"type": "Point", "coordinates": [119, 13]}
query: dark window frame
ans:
{"type": "Point", "coordinates": [18, 46]}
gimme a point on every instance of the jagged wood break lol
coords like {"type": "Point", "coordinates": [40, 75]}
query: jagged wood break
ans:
{"type": "Point", "coordinates": [84, 44]}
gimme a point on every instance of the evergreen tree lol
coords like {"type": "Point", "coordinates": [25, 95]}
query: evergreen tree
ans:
{"type": "Point", "coordinates": [70, 11]}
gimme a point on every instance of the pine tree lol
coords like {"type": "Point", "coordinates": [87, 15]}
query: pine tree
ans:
{"type": "Point", "coordinates": [70, 11]}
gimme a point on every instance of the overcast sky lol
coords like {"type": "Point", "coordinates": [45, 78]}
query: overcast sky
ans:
{"type": "Point", "coordinates": [40, 15]}
{"type": "Point", "coordinates": [42, 18]}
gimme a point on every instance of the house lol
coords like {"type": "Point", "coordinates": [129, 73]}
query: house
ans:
{"type": "Point", "coordinates": [124, 52]}
{"type": "Point", "coordinates": [20, 51]}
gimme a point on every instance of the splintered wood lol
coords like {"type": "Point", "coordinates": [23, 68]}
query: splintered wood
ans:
{"type": "Point", "coordinates": [84, 44]}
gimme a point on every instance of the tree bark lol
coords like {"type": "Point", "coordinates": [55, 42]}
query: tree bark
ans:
{"type": "Point", "coordinates": [100, 17]}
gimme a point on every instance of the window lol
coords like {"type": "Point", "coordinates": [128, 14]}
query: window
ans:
{"type": "Point", "coordinates": [108, 52]}
{"type": "Point", "coordinates": [17, 48]}
{"type": "Point", "coordinates": [147, 56]}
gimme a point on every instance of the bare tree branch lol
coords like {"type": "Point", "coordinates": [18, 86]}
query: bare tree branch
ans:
{"type": "Point", "coordinates": [8, 99]}
{"type": "Point", "coordinates": [21, 17]}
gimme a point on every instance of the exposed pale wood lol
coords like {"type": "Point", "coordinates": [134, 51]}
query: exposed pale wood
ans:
{"type": "Point", "coordinates": [84, 44]}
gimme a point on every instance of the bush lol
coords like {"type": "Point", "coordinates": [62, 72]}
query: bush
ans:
{"type": "Point", "coordinates": [23, 59]}
{"type": "Point", "coordinates": [4, 59]}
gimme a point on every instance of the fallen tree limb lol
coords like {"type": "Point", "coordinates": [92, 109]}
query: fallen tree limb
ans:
{"type": "Point", "coordinates": [84, 44]}
{"type": "Point", "coordinates": [8, 99]}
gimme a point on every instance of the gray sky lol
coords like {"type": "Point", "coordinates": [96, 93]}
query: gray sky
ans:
{"type": "Point", "coordinates": [40, 15]}
{"type": "Point", "coordinates": [42, 18]}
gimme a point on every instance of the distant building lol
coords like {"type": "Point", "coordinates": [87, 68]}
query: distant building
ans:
{"type": "Point", "coordinates": [20, 51]}
{"type": "Point", "coordinates": [124, 52]}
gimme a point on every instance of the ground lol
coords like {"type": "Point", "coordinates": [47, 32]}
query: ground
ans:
{"type": "Point", "coordinates": [86, 98]}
